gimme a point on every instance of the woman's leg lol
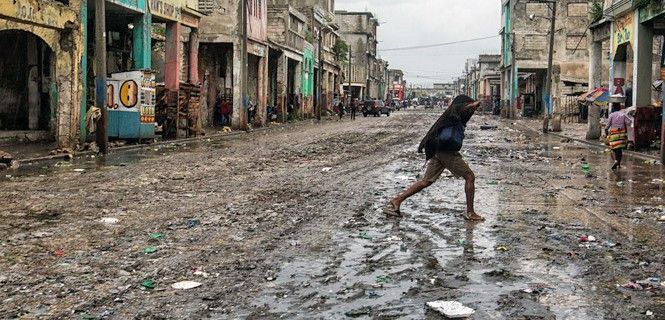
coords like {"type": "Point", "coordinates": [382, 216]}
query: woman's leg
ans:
{"type": "Point", "coordinates": [619, 156]}
{"type": "Point", "coordinates": [616, 157]}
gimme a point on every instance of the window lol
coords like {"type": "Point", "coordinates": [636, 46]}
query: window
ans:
{"type": "Point", "coordinates": [578, 42]}
{"type": "Point", "coordinates": [259, 9]}
{"type": "Point", "coordinates": [578, 9]}
{"type": "Point", "coordinates": [206, 6]}
{"type": "Point", "coordinates": [538, 9]}
{"type": "Point", "coordinates": [535, 42]}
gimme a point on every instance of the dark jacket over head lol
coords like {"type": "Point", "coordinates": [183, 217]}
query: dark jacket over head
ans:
{"type": "Point", "coordinates": [454, 114]}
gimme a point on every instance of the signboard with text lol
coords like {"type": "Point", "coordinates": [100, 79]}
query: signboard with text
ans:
{"type": "Point", "coordinates": [623, 31]}
{"type": "Point", "coordinates": [165, 9]}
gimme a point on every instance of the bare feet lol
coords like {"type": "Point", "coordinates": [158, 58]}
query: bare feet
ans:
{"type": "Point", "coordinates": [392, 209]}
{"type": "Point", "coordinates": [472, 216]}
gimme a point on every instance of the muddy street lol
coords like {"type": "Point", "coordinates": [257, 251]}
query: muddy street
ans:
{"type": "Point", "coordinates": [286, 223]}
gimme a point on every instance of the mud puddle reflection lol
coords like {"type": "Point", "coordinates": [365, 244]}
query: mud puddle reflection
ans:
{"type": "Point", "coordinates": [116, 158]}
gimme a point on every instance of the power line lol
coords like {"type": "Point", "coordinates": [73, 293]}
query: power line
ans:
{"type": "Point", "coordinates": [438, 44]}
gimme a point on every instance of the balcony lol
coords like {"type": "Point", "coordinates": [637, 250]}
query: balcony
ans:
{"type": "Point", "coordinates": [294, 40]}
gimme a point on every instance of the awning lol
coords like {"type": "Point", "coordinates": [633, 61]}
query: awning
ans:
{"type": "Point", "coordinates": [598, 96]}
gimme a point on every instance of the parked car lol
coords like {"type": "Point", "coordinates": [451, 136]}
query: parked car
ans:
{"type": "Point", "coordinates": [384, 108]}
{"type": "Point", "coordinates": [375, 108]}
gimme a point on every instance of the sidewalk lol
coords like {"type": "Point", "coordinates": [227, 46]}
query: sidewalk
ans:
{"type": "Point", "coordinates": [46, 151]}
{"type": "Point", "coordinates": [577, 132]}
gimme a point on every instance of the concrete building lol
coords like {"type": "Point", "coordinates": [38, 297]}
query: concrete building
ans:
{"type": "Point", "coordinates": [383, 79]}
{"type": "Point", "coordinates": [446, 89]}
{"type": "Point", "coordinates": [359, 30]}
{"type": "Point", "coordinates": [636, 62]}
{"type": "Point", "coordinates": [40, 70]}
{"type": "Point", "coordinates": [288, 69]}
{"type": "Point", "coordinates": [151, 46]}
{"type": "Point", "coordinates": [323, 35]}
{"type": "Point", "coordinates": [439, 90]}
{"type": "Point", "coordinates": [397, 89]}
{"type": "Point", "coordinates": [471, 78]}
{"type": "Point", "coordinates": [489, 77]}
{"type": "Point", "coordinates": [221, 58]}
{"type": "Point", "coordinates": [524, 31]}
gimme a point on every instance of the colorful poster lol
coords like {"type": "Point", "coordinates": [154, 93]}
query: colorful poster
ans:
{"type": "Point", "coordinates": [624, 28]}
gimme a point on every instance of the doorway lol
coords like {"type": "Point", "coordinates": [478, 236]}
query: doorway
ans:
{"type": "Point", "coordinates": [26, 71]}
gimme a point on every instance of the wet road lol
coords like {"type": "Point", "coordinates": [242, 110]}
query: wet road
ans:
{"type": "Point", "coordinates": [286, 223]}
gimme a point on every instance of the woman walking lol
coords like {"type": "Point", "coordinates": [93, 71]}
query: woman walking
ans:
{"type": "Point", "coordinates": [616, 131]}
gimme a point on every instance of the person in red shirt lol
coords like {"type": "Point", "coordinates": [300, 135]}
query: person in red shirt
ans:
{"type": "Point", "coordinates": [225, 111]}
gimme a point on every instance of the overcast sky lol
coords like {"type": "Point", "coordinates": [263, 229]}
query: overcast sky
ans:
{"type": "Point", "coordinates": [407, 23]}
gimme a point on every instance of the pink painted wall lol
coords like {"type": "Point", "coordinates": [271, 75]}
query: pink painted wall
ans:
{"type": "Point", "coordinates": [257, 20]}
{"type": "Point", "coordinates": [173, 58]}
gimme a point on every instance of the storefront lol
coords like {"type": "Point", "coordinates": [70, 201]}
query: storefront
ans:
{"type": "Point", "coordinates": [653, 18]}
{"type": "Point", "coordinates": [39, 74]}
{"type": "Point", "coordinates": [632, 74]}
{"type": "Point", "coordinates": [130, 85]}
{"type": "Point", "coordinates": [177, 110]}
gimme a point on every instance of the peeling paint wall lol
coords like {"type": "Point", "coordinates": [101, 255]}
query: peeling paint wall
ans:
{"type": "Point", "coordinates": [221, 25]}
{"type": "Point", "coordinates": [59, 26]}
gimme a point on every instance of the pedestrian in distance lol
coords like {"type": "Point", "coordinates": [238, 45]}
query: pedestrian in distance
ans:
{"type": "Point", "coordinates": [617, 134]}
{"type": "Point", "coordinates": [441, 145]}
{"type": "Point", "coordinates": [225, 110]}
{"type": "Point", "coordinates": [340, 109]}
{"type": "Point", "coordinates": [354, 108]}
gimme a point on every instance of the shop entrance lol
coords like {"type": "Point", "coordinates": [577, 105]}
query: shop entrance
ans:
{"type": "Point", "coordinates": [253, 87]}
{"type": "Point", "coordinates": [26, 71]}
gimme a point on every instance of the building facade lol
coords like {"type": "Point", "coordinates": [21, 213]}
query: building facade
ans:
{"type": "Point", "coordinates": [287, 31]}
{"type": "Point", "coordinates": [234, 59]}
{"type": "Point", "coordinates": [359, 30]}
{"type": "Point", "coordinates": [323, 35]}
{"type": "Point", "coordinates": [489, 77]}
{"type": "Point", "coordinates": [524, 31]}
{"type": "Point", "coordinates": [636, 65]}
{"type": "Point", "coordinates": [397, 84]}
{"type": "Point", "coordinates": [41, 69]}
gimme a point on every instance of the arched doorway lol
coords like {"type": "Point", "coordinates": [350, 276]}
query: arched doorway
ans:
{"type": "Point", "coordinates": [26, 72]}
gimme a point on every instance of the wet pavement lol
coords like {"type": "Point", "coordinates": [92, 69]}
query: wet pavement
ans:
{"type": "Point", "coordinates": [287, 224]}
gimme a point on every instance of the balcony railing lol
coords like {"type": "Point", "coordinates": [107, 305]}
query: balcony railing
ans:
{"type": "Point", "coordinates": [294, 40]}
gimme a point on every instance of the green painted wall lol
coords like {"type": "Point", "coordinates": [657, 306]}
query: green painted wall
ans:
{"type": "Point", "coordinates": [307, 80]}
{"type": "Point", "coordinates": [507, 55]}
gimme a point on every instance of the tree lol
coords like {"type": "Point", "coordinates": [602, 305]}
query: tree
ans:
{"type": "Point", "coordinates": [341, 50]}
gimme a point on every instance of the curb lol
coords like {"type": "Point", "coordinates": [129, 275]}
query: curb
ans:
{"type": "Point", "coordinates": [216, 136]}
{"type": "Point", "coordinates": [635, 154]}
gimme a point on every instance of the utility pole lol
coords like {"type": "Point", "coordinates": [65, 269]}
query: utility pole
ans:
{"type": "Point", "coordinates": [514, 77]}
{"type": "Point", "coordinates": [367, 60]}
{"type": "Point", "coordinates": [319, 73]}
{"type": "Point", "coordinates": [244, 119]}
{"type": "Point", "coordinates": [100, 75]}
{"type": "Point", "coordinates": [548, 81]}
{"type": "Point", "coordinates": [349, 75]}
